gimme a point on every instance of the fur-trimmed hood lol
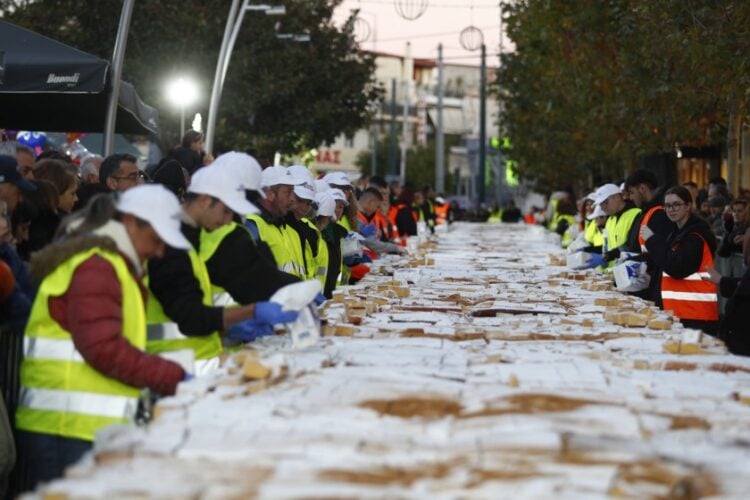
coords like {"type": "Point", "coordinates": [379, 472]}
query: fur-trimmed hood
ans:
{"type": "Point", "coordinates": [111, 236]}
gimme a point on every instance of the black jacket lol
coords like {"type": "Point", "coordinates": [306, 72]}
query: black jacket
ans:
{"type": "Point", "coordinates": [679, 254]}
{"type": "Point", "coordinates": [728, 246]}
{"type": "Point", "coordinates": [735, 326]}
{"type": "Point", "coordinates": [246, 271]}
{"type": "Point", "coordinates": [172, 282]}
{"type": "Point", "coordinates": [332, 235]}
{"type": "Point", "coordinates": [405, 222]}
{"type": "Point", "coordinates": [659, 223]}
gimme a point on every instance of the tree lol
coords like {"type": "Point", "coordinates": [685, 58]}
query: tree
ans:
{"type": "Point", "coordinates": [595, 84]}
{"type": "Point", "coordinates": [279, 95]}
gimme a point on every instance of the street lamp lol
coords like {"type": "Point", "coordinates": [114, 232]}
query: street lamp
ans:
{"type": "Point", "coordinates": [182, 92]}
{"type": "Point", "coordinates": [231, 30]}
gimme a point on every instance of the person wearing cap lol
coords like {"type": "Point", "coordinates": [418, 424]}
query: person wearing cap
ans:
{"type": "Point", "coordinates": [84, 362]}
{"type": "Point", "coordinates": [339, 180]}
{"type": "Point", "coordinates": [646, 194]}
{"type": "Point", "coordinates": [596, 220]}
{"type": "Point", "coordinates": [304, 236]}
{"type": "Point", "coordinates": [180, 311]}
{"type": "Point", "coordinates": [325, 213]}
{"type": "Point", "coordinates": [621, 229]}
{"type": "Point", "coordinates": [12, 184]}
{"type": "Point", "coordinates": [241, 271]}
{"type": "Point", "coordinates": [270, 225]}
{"type": "Point", "coordinates": [333, 233]}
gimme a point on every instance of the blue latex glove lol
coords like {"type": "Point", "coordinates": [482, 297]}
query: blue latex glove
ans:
{"type": "Point", "coordinates": [367, 230]}
{"type": "Point", "coordinates": [319, 299]}
{"type": "Point", "coordinates": [366, 259]}
{"type": "Point", "coordinates": [271, 313]}
{"type": "Point", "coordinates": [249, 330]}
{"type": "Point", "coordinates": [596, 260]}
{"type": "Point", "coordinates": [187, 377]}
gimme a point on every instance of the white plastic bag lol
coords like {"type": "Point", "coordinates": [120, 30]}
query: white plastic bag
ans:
{"type": "Point", "coordinates": [351, 244]}
{"type": "Point", "coordinates": [305, 331]}
{"type": "Point", "coordinates": [631, 276]}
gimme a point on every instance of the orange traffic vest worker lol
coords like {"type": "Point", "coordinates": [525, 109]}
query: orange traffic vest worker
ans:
{"type": "Point", "coordinates": [683, 257]}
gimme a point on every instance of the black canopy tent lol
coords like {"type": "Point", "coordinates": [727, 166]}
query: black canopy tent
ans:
{"type": "Point", "coordinates": [47, 85]}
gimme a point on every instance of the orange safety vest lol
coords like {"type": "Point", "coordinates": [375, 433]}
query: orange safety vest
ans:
{"type": "Point", "coordinates": [381, 224]}
{"type": "Point", "coordinates": [441, 212]}
{"type": "Point", "coordinates": [644, 222]}
{"type": "Point", "coordinates": [391, 216]}
{"type": "Point", "coordinates": [691, 297]}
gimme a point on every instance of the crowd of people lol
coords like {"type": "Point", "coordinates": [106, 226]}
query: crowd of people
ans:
{"type": "Point", "coordinates": [126, 282]}
{"type": "Point", "coordinates": [691, 241]}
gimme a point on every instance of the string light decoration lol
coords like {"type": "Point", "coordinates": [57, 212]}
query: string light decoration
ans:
{"type": "Point", "coordinates": [471, 38]}
{"type": "Point", "coordinates": [362, 30]}
{"type": "Point", "coordinates": [411, 9]}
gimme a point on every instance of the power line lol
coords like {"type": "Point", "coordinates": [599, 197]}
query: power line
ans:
{"type": "Point", "coordinates": [439, 6]}
{"type": "Point", "coordinates": [429, 35]}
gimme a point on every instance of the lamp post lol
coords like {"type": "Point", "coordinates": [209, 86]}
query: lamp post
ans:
{"type": "Point", "coordinates": [182, 92]}
{"type": "Point", "coordinates": [231, 30]}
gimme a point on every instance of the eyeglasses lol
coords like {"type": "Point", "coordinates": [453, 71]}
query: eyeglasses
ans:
{"type": "Point", "coordinates": [674, 206]}
{"type": "Point", "coordinates": [130, 177]}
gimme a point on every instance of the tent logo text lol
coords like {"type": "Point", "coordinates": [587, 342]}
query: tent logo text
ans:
{"type": "Point", "coordinates": [53, 78]}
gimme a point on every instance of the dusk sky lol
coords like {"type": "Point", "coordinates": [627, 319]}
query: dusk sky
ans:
{"type": "Point", "coordinates": [442, 21]}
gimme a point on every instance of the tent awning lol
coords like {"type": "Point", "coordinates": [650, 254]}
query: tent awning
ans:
{"type": "Point", "coordinates": [47, 85]}
{"type": "Point", "coordinates": [454, 122]}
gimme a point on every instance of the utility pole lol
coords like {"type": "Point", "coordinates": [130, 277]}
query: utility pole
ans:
{"type": "Point", "coordinates": [439, 136]}
{"type": "Point", "coordinates": [394, 167]}
{"type": "Point", "coordinates": [405, 124]}
{"type": "Point", "coordinates": [482, 126]}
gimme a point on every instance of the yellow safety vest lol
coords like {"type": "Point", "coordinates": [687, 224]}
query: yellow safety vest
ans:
{"type": "Point", "coordinates": [619, 227]}
{"type": "Point", "coordinates": [210, 242]}
{"type": "Point", "coordinates": [496, 216]}
{"type": "Point", "coordinates": [164, 335]}
{"type": "Point", "coordinates": [320, 261]}
{"type": "Point", "coordinates": [567, 236]}
{"type": "Point", "coordinates": [280, 242]}
{"type": "Point", "coordinates": [312, 262]}
{"type": "Point", "coordinates": [61, 394]}
{"type": "Point", "coordinates": [593, 235]}
{"type": "Point", "coordinates": [299, 257]}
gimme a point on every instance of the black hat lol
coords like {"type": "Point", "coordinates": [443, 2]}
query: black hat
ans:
{"type": "Point", "coordinates": [9, 173]}
{"type": "Point", "coordinates": [717, 202]}
{"type": "Point", "coordinates": [170, 174]}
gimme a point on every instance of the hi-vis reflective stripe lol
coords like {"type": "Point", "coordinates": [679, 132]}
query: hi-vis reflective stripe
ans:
{"type": "Point", "coordinates": [692, 277]}
{"type": "Point", "coordinates": [322, 271]}
{"type": "Point", "coordinates": [86, 403]}
{"type": "Point", "coordinates": [223, 299]}
{"type": "Point", "coordinates": [696, 297]}
{"type": "Point", "coordinates": [164, 331]}
{"type": "Point", "coordinates": [57, 349]}
{"type": "Point", "coordinates": [293, 268]}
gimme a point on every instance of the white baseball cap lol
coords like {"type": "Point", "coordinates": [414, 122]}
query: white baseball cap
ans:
{"type": "Point", "coordinates": [598, 212]}
{"type": "Point", "coordinates": [156, 205]}
{"type": "Point", "coordinates": [338, 194]}
{"type": "Point", "coordinates": [306, 189]}
{"type": "Point", "coordinates": [326, 204]}
{"type": "Point", "coordinates": [246, 168]}
{"type": "Point", "coordinates": [605, 191]}
{"type": "Point", "coordinates": [223, 184]}
{"type": "Point", "coordinates": [591, 196]}
{"type": "Point", "coordinates": [337, 179]}
{"type": "Point", "coordinates": [277, 176]}
{"type": "Point", "coordinates": [321, 185]}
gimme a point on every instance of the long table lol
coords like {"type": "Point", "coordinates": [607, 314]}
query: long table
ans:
{"type": "Point", "coordinates": [476, 367]}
